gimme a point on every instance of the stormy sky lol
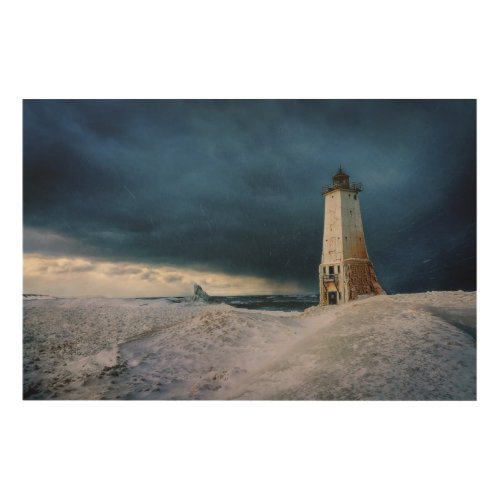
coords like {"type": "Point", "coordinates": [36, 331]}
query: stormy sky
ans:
{"type": "Point", "coordinates": [230, 191]}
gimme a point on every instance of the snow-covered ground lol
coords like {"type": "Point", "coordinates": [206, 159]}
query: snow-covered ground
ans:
{"type": "Point", "coordinates": [399, 347]}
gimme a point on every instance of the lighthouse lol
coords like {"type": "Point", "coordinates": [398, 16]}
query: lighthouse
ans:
{"type": "Point", "coordinates": [345, 272]}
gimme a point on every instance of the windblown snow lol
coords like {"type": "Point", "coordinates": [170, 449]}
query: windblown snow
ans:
{"type": "Point", "coordinates": [399, 347]}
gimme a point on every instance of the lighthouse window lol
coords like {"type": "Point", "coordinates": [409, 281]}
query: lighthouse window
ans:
{"type": "Point", "coordinates": [338, 269]}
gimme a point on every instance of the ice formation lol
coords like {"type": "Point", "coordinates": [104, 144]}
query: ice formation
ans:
{"type": "Point", "coordinates": [200, 294]}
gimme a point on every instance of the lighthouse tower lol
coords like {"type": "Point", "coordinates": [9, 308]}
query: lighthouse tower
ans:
{"type": "Point", "coordinates": [346, 271]}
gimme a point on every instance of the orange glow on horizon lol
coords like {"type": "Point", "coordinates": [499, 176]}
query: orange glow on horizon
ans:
{"type": "Point", "coordinates": [78, 276]}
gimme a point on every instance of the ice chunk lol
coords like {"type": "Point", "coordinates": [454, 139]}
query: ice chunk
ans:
{"type": "Point", "coordinates": [200, 294]}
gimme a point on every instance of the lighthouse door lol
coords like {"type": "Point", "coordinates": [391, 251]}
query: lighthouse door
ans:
{"type": "Point", "coordinates": [332, 298]}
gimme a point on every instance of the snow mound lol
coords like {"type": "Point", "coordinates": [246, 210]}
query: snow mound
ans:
{"type": "Point", "coordinates": [399, 347]}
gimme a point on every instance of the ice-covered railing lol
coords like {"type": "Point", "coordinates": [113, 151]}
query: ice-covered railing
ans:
{"type": "Point", "coordinates": [330, 277]}
{"type": "Point", "coordinates": [353, 186]}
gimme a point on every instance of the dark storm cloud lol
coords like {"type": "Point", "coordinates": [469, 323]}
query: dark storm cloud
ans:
{"type": "Point", "coordinates": [235, 185]}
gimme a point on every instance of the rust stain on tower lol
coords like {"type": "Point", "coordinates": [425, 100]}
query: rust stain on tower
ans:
{"type": "Point", "coordinates": [345, 272]}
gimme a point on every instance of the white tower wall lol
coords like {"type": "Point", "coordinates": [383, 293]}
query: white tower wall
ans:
{"type": "Point", "coordinates": [345, 271]}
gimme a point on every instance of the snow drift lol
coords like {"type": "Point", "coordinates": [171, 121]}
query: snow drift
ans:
{"type": "Point", "coordinates": [400, 347]}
